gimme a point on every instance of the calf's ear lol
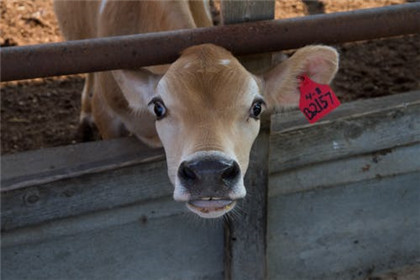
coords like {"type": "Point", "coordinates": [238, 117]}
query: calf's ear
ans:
{"type": "Point", "coordinates": [281, 84]}
{"type": "Point", "coordinates": [138, 86]}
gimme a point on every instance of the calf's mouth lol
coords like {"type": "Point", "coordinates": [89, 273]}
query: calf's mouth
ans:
{"type": "Point", "coordinates": [211, 207]}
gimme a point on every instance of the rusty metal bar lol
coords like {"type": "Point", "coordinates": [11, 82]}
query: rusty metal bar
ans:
{"type": "Point", "coordinates": [133, 51]}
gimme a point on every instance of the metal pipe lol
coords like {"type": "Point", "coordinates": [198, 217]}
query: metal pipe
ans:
{"type": "Point", "coordinates": [135, 51]}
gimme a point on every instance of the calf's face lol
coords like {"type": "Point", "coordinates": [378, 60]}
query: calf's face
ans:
{"type": "Point", "coordinates": [208, 109]}
{"type": "Point", "coordinates": [212, 107]}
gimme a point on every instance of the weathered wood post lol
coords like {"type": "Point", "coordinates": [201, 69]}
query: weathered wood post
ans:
{"type": "Point", "coordinates": [245, 234]}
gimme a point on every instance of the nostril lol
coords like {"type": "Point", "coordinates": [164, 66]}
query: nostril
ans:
{"type": "Point", "coordinates": [232, 172]}
{"type": "Point", "coordinates": [186, 172]}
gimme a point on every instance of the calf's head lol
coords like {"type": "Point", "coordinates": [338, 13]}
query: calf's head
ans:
{"type": "Point", "coordinates": [208, 107]}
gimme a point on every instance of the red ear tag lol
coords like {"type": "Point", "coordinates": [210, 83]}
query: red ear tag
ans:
{"type": "Point", "coordinates": [316, 100]}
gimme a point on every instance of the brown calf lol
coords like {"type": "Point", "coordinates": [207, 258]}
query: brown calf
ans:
{"type": "Point", "coordinates": [204, 108]}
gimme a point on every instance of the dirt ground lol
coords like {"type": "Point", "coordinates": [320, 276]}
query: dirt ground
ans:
{"type": "Point", "coordinates": [44, 112]}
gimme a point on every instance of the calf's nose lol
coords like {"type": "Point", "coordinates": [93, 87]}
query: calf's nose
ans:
{"type": "Point", "coordinates": [209, 177]}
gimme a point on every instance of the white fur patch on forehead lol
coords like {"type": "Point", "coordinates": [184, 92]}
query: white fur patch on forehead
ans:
{"type": "Point", "coordinates": [224, 61]}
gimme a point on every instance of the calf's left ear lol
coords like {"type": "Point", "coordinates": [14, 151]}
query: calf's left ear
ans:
{"type": "Point", "coordinates": [281, 84]}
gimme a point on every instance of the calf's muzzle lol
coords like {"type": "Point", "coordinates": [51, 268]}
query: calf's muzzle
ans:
{"type": "Point", "coordinates": [209, 179]}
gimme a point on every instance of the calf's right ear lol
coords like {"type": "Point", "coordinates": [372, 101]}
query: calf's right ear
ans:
{"type": "Point", "coordinates": [281, 84]}
{"type": "Point", "coordinates": [138, 86]}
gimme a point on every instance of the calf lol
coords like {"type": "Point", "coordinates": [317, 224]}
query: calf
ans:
{"type": "Point", "coordinates": [204, 109]}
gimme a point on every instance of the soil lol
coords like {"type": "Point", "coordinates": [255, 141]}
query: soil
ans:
{"type": "Point", "coordinates": [43, 113]}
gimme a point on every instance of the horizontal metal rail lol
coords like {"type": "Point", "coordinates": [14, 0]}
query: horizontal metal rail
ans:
{"type": "Point", "coordinates": [135, 51]}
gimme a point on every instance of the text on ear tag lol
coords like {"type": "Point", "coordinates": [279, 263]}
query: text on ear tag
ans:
{"type": "Point", "coordinates": [316, 100]}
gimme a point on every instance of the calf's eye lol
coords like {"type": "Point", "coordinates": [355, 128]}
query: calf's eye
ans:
{"type": "Point", "coordinates": [256, 109]}
{"type": "Point", "coordinates": [158, 108]}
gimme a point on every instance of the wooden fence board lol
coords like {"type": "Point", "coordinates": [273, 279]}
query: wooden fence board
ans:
{"type": "Point", "coordinates": [84, 194]}
{"type": "Point", "coordinates": [42, 166]}
{"type": "Point", "coordinates": [345, 232]}
{"type": "Point", "coordinates": [353, 133]}
{"type": "Point", "coordinates": [246, 230]}
{"type": "Point", "coordinates": [234, 11]}
{"type": "Point", "coordinates": [154, 240]}
{"type": "Point", "coordinates": [391, 162]}
{"type": "Point", "coordinates": [245, 249]}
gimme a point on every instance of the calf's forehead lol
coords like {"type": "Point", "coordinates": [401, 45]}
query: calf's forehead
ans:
{"type": "Point", "coordinates": [208, 76]}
